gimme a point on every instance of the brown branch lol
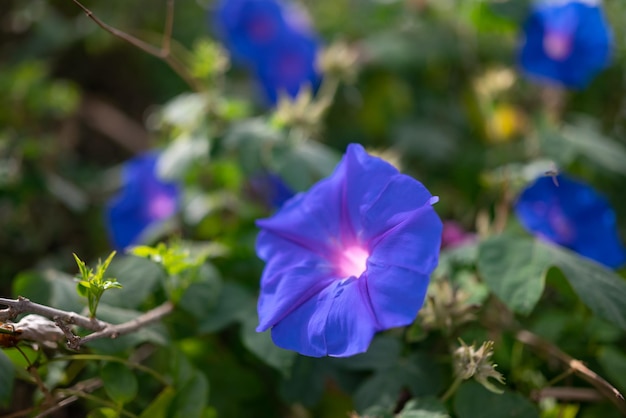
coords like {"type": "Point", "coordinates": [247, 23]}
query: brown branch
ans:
{"type": "Point", "coordinates": [568, 394]}
{"type": "Point", "coordinates": [604, 387]}
{"type": "Point", "coordinates": [169, 27]}
{"type": "Point", "coordinates": [85, 386]}
{"type": "Point", "coordinates": [114, 124]}
{"type": "Point", "coordinates": [163, 54]}
{"type": "Point", "coordinates": [64, 320]}
{"type": "Point", "coordinates": [114, 331]}
{"type": "Point", "coordinates": [24, 305]}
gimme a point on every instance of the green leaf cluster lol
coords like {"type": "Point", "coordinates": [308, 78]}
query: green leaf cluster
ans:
{"type": "Point", "coordinates": [92, 284]}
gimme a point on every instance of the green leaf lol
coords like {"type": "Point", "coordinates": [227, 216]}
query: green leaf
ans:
{"type": "Point", "coordinates": [201, 296]}
{"type": "Point", "coordinates": [474, 401]}
{"type": "Point", "coordinates": [383, 352]}
{"type": "Point", "coordinates": [7, 375]}
{"type": "Point", "coordinates": [191, 399]}
{"type": "Point", "coordinates": [587, 140]}
{"type": "Point", "coordinates": [261, 344]}
{"type": "Point", "coordinates": [158, 408]}
{"type": "Point", "coordinates": [155, 333]}
{"type": "Point", "coordinates": [143, 251]}
{"type": "Point", "coordinates": [119, 382]}
{"type": "Point", "coordinates": [49, 287]}
{"type": "Point", "coordinates": [84, 286]}
{"type": "Point", "coordinates": [613, 361]}
{"type": "Point", "coordinates": [111, 284]}
{"type": "Point", "coordinates": [428, 407]}
{"type": "Point", "coordinates": [514, 269]}
{"type": "Point", "coordinates": [419, 373]}
{"type": "Point", "coordinates": [233, 304]}
{"type": "Point", "coordinates": [102, 267]}
{"type": "Point", "coordinates": [306, 163]}
{"type": "Point", "coordinates": [103, 413]}
{"type": "Point", "coordinates": [64, 294]}
{"type": "Point", "coordinates": [181, 155]}
{"type": "Point", "coordinates": [249, 141]}
{"type": "Point", "coordinates": [185, 111]}
{"type": "Point", "coordinates": [32, 285]}
{"type": "Point", "coordinates": [305, 383]}
{"type": "Point", "coordinates": [560, 410]}
{"type": "Point", "coordinates": [85, 272]}
{"type": "Point", "coordinates": [603, 291]}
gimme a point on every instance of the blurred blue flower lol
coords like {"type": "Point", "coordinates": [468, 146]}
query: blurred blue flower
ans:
{"type": "Point", "coordinates": [143, 201]}
{"type": "Point", "coordinates": [274, 39]}
{"type": "Point", "coordinates": [288, 66]}
{"type": "Point", "coordinates": [572, 214]}
{"type": "Point", "coordinates": [566, 42]}
{"type": "Point", "coordinates": [350, 257]}
{"type": "Point", "coordinates": [271, 189]}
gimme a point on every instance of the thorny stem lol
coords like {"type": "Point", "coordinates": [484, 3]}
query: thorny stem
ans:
{"type": "Point", "coordinates": [112, 331]}
{"type": "Point", "coordinates": [577, 366]}
{"type": "Point", "coordinates": [23, 305]}
{"type": "Point", "coordinates": [163, 53]}
{"type": "Point", "coordinates": [65, 320]}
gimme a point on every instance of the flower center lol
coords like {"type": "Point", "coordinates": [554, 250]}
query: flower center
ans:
{"type": "Point", "coordinates": [557, 46]}
{"type": "Point", "coordinates": [352, 261]}
{"type": "Point", "coordinates": [161, 207]}
{"type": "Point", "coordinates": [262, 27]}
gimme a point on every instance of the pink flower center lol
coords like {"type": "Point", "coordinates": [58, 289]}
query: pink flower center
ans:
{"type": "Point", "coordinates": [352, 261]}
{"type": "Point", "coordinates": [261, 28]}
{"type": "Point", "coordinates": [557, 46]}
{"type": "Point", "coordinates": [161, 207]}
{"type": "Point", "coordinates": [561, 226]}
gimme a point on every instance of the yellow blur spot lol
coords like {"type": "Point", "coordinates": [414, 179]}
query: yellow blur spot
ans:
{"type": "Point", "coordinates": [505, 123]}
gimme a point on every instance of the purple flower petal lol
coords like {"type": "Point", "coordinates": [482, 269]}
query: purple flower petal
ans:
{"type": "Point", "coordinates": [348, 258]}
{"type": "Point", "coordinates": [312, 220]}
{"type": "Point", "coordinates": [274, 39]}
{"type": "Point", "coordinates": [291, 277]}
{"type": "Point", "coordinates": [566, 42]}
{"type": "Point", "coordinates": [396, 294]}
{"type": "Point", "coordinates": [572, 214]}
{"type": "Point", "coordinates": [411, 244]}
{"type": "Point", "coordinates": [143, 200]}
{"type": "Point", "coordinates": [335, 322]}
{"type": "Point", "coordinates": [401, 196]}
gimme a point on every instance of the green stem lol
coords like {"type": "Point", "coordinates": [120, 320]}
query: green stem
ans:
{"type": "Point", "coordinates": [137, 366]}
{"type": "Point", "coordinates": [452, 389]}
{"type": "Point", "coordinates": [98, 400]}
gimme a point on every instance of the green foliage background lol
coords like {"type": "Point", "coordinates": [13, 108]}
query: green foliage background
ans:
{"type": "Point", "coordinates": [436, 91]}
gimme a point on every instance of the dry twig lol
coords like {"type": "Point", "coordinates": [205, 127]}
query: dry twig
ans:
{"type": "Point", "coordinates": [65, 320]}
{"type": "Point", "coordinates": [579, 368]}
{"type": "Point", "coordinates": [163, 53]}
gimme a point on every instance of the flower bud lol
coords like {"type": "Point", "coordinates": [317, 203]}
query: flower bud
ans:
{"type": "Point", "coordinates": [471, 362]}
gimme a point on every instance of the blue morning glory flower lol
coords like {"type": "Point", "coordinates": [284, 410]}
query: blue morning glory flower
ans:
{"type": "Point", "coordinates": [248, 27]}
{"type": "Point", "coordinates": [566, 42]}
{"type": "Point", "coordinates": [274, 39]}
{"type": "Point", "coordinates": [143, 201]}
{"type": "Point", "coordinates": [350, 257]}
{"type": "Point", "coordinates": [288, 66]}
{"type": "Point", "coordinates": [572, 214]}
{"type": "Point", "coordinates": [271, 189]}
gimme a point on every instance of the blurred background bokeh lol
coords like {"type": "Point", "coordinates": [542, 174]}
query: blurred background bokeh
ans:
{"type": "Point", "coordinates": [435, 87]}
